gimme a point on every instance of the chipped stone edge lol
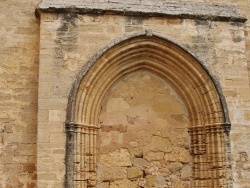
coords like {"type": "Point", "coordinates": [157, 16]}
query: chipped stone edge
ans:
{"type": "Point", "coordinates": [198, 11]}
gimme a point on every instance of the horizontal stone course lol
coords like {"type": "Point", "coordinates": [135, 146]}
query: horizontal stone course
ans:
{"type": "Point", "coordinates": [146, 8]}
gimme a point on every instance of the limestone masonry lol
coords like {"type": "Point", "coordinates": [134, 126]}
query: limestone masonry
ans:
{"type": "Point", "coordinates": [125, 94]}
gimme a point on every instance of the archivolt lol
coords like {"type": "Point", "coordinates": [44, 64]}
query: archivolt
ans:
{"type": "Point", "coordinates": [186, 74]}
{"type": "Point", "coordinates": [201, 94]}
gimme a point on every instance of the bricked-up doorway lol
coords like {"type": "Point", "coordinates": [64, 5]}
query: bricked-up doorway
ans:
{"type": "Point", "coordinates": [146, 112]}
{"type": "Point", "coordinates": [143, 137]}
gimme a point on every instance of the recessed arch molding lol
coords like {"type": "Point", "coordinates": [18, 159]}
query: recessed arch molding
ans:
{"type": "Point", "coordinates": [201, 93]}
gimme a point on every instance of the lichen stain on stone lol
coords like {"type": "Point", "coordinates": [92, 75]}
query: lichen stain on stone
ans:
{"type": "Point", "coordinates": [242, 165]}
{"type": "Point", "coordinates": [66, 41]}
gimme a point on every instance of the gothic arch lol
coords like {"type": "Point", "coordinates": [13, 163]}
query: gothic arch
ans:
{"type": "Point", "coordinates": [209, 122]}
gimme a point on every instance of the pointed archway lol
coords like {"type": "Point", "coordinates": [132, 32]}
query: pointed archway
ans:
{"type": "Point", "coordinates": [208, 119]}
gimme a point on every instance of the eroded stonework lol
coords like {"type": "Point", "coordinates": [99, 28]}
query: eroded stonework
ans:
{"type": "Point", "coordinates": [152, 145]}
{"type": "Point", "coordinates": [41, 59]}
{"type": "Point", "coordinates": [208, 127]}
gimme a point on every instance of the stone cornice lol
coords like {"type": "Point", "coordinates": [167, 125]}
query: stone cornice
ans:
{"type": "Point", "coordinates": [201, 11]}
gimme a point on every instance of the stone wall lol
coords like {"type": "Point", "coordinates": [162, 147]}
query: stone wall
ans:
{"type": "Point", "coordinates": [67, 43]}
{"type": "Point", "coordinates": [19, 51]}
{"type": "Point", "coordinates": [144, 138]}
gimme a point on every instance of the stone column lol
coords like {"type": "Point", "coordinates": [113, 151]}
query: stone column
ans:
{"type": "Point", "coordinates": [81, 159]}
{"type": "Point", "coordinates": [69, 159]}
{"type": "Point", "coordinates": [208, 147]}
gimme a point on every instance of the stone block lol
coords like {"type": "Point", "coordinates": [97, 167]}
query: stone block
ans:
{"type": "Point", "coordinates": [29, 167]}
{"type": "Point", "coordinates": [186, 173]}
{"type": "Point", "coordinates": [155, 181]}
{"type": "Point", "coordinates": [175, 167]}
{"type": "Point", "coordinates": [29, 138]}
{"type": "Point", "coordinates": [124, 183]}
{"type": "Point", "coordinates": [92, 28]}
{"type": "Point", "coordinates": [134, 173]}
{"type": "Point", "coordinates": [138, 153]}
{"type": "Point", "coordinates": [151, 3]}
{"type": "Point", "coordinates": [154, 156]}
{"type": "Point", "coordinates": [57, 137]}
{"type": "Point", "coordinates": [111, 29]}
{"type": "Point", "coordinates": [112, 173]}
{"type": "Point", "coordinates": [120, 157]}
{"type": "Point", "coordinates": [177, 154]}
{"type": "Point", "coordinates": [181, 184]}
{"type": "Point", "coordinates": [48, 176]}
{"type": "Point", "coordinates": [54, 115]}
{"type": "Point", "coordinates": [43, 137]}
{"type": "Point", "coordinates": [140, 162]}
{"type": "Point", "coordinates": [111, 137]}
{"type": "Point", "coordinates": [11, 137]}
{"type": "Point", "coordinates": [105, 185]}
{"type": "Point", "coordinates": [160, 142]}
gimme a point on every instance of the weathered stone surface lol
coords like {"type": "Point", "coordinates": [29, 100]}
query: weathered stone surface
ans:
{"type": "Point", "coordinates": [155, 181]}
{"type": "Point", "coordinates": [175, 167]}
{"type": "Point", "coordinates": [105, 185]}
{"type": "Point", "coordinates": [111, 138]}
{"type": "Point", "coordinates": [117, 158]}
{"type": "Point", "coordinates": [147, 119]}
{"type": "Point", "coordinates": [154, 156]}
{"type": "Point", "coordinates": [137, 152]}
{"type": "Point", "coordinates": [186, 173]}
{"type": "Point", "coordinates": [140, 162]}
{"type": "Point", "coordinates": [151, 170]}
{"type": "Point", "coordinates": [161, 8]}
{"type": "Point", "coordinates": [160, 142]}
{"type": "Point", "coordinates": [125, 183]}
{"type": "Point", "coordinates": [177, 154]}
{"type": "Point", "coordinates": [112, 173]}
{"type": "Point", "coordinates": [134, 172]}
{"type": "Point", "coordinates": [18, 93]}
{"type": "Point", "coordinates": [181, 184]}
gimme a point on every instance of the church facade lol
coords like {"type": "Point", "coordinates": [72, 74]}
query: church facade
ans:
{"type": "Point", "coordinates": [113, 94]}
